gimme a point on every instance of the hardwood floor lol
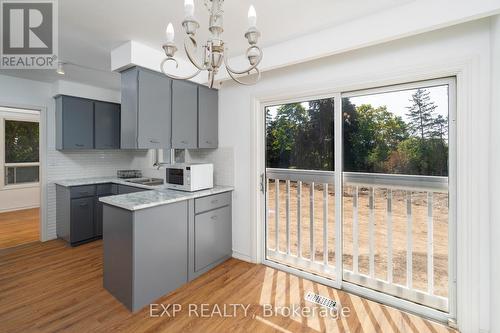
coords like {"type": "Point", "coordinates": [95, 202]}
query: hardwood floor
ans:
{"type": "Point", "coordinates": [19, 227]}
{"type": "Point", "coordinates": [50, 287]}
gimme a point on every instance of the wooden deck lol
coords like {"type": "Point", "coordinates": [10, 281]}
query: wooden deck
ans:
{"type": "Point", "coordinates": [50, 287]}
{"type": "Point", "coordinates": [19, 227]}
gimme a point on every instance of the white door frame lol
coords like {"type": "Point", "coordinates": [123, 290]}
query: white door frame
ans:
{"type": "Point", "coordinates": [468, 201]}
{"type": "Point", "coordinates": [42, 223]}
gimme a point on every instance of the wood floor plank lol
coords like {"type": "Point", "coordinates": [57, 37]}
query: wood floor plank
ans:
{"type": "Point", "coordinates": [50, 287]}
{"type": "Point", "coordinates": [19, 227]}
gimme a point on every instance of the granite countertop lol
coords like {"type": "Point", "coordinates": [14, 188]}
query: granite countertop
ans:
{"type": "Point", "coordinates": [103, 180]}
{"type": "Point", "coordinates": [157, 196]}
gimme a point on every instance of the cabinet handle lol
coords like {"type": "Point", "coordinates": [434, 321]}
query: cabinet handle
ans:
{"type": "Point", "coordinates": [214, 201]}
{"type": "Point", "coordinates": [184, 142]}
{"type": "Point", "coordinates": [209, 142]}
{"type": "Point", "coordinates": [84, 193]}
{"type": "Point", "coordinates": [214, 217]}
{"type": "Point", "coordinates": [154, 141]}
{"type": "Point", "coordinates": [79, 145]}
{"type": "Point", "coordinates": [84, 205]}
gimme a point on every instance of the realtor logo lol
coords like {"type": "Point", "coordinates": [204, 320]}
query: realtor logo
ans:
{"type": "Point", "coordinates": [29, 34]}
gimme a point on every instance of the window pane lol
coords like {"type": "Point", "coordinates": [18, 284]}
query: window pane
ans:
{"type": "Point", "coordinates": [20, 175]}
{"type": "Point", "coordinates": [300, 135]}
{"type": "Point", "coordinates": [401, 132]}
{"type": "Point", "coordinates": [395, 186]}
{"type": "Point", "coordinates": [21, 141]}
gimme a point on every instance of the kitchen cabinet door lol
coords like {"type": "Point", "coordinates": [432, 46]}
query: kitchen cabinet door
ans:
{"type": "Point", "coordinates": [107, 125]}
{"type": "Point", "coordinates": [208, 117]}
{"type": "Point", "coordinates": [184, 115]}
{"type": "Point", "coordinates": [82, 219]}
{"type": "Point", "coordinates": [212, 237]}
{"type": "Point", "coordinates": [154, 110]}
{"type": "Point", "coordinates": [75, 122]}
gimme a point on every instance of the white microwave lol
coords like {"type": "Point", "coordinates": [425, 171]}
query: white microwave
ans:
{"type": "Point", "coordinates": [189, 177]}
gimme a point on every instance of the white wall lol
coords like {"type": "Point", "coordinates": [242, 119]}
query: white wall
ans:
{"type": "Point", "coordinates": [494, 174]}
{"type": "Point", "coordinates": [470, 40]}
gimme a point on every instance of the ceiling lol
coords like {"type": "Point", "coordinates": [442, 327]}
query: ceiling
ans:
{"type": "Point", "coordinates": [90, 29]}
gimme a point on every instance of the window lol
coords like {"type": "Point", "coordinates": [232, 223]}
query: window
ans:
{"type": "Point", "coordinates": [21, 152]}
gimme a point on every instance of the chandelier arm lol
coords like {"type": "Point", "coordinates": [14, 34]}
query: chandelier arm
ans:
{"type": "Point", "coordinates": [175, 77]}
{"type": "Point", "coordinates": [233, 76]}
{"type": "Point", "coordinates": [192, 58]}
{"type": "Point", "coordinates": [211, 78]}
{"type": "Point", "coordinates": [252, 67]}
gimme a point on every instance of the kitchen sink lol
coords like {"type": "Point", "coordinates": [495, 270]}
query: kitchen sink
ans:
{"type": "Point", "coordinates": [146, 181]}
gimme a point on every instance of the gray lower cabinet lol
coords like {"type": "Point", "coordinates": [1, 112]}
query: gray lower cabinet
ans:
{"type": "Point", "coordinates": [208, 117]}
{"type": "Point", "coordinates": [151, 252]}
{"type": "Point", "coordinates": [124, 189]}
{"type": "Point", "coordinates": [82, 219]}
{"type": "Point", "coordinates": [210, 233]}
{"type": "Point", "coordinates": [184, 115]}
{"type": "Point", "coordinates": [107, 125]}
{"type": "Point", "coordinates": [212, 237]}
{"type": "Point", "coordinates": [145, 252]}
{"type": "Point", "coordinates": [79, 213]}
{"type": "Point", "coordinates": [146, 109]}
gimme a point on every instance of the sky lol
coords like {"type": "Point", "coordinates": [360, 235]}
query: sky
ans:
{"type": "Point", "coordinates": [398, 101]}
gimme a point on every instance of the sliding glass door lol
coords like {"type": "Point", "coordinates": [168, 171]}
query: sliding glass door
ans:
{"type": "Point", "coordinates": [385, 222]}
{"type": "Point", "coordinates": [398, 231]}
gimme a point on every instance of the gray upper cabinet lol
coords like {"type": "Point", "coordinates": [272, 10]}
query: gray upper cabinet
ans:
{"type": "Point", "coordinates": [184, 115]}
{"type": "Point", "coordinates": [86, 124]}
{"type": "Point", "coordinates": [107, 125]}
{"type": "Point", "coordinates": [208, 117]}
{"type": "Point", "coordinates": [74, 123]}
{"type": "Point", "coordinates": [146, 109]}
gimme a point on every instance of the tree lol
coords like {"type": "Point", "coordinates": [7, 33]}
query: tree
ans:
{"type": "Point", "coordinates": [370, 136]}
{"type": "Point", "coordinates": [421, 114]}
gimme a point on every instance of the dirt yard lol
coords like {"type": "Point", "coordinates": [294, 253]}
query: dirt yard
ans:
{"type": "Point", "coordinates": [399, 223]}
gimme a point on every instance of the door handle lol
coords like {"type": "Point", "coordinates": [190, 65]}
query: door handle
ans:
{"type": "Point", "coordinates": [262, 185]}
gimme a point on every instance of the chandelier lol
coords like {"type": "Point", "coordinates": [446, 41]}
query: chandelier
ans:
{"type": "Point", "coordinates": [213, 53]}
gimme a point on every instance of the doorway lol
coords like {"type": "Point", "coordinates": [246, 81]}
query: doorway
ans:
{"type": "Point", "coordinates": [19, 176]}
{"type": "Point", "coordinates": [384, 225]}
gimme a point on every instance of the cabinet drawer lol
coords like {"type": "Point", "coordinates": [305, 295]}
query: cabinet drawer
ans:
{"type": "Point", "coordinates": [82, 191]}
{"type": "Point", "coordinates": [124, 189]}
{"type": "Point", "coordinates": [212, 237]}
{"type": "Point", "coordinates": [212, 202]}
{"type": "Point", "coordinates": [104, 189]}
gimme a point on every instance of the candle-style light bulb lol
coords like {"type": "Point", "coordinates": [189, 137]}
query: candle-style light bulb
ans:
{"type": "Point", "coordinates": [170, 33]}
{"type": "Point", "coordinates": [188, 8]}
{"type": "Point", "coordinates": [252, 16]}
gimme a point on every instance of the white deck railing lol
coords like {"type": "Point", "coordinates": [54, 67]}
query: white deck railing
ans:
{"type": "Point", "coordinates": [367, 181]}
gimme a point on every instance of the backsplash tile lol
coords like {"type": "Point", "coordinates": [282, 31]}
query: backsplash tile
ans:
{"type": "Point", "coordinates": [222, 158]}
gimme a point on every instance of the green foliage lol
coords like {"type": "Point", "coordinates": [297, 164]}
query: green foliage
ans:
{"type": "Point", "coordinates": [375, 140]}
{"type": "Point", "coordinates": [21, 141]}
{"type": "Point", "coordinates": [301, 138]}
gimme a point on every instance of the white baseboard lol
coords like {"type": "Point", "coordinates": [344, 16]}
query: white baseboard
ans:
{"type": "Point", "coordinates": [242, 256]}
{"type": "Point", "coordinates": [18, 208]}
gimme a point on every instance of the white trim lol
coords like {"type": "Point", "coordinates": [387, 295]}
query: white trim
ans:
{"type": "Point", "coordinates": [18, 208]}
{"type": "Point", "coordinates": [242, 256]}
{"type": "Point", "coordinates": [43, 220]}
{"type": "Point", "coordinates": [466, 71]}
